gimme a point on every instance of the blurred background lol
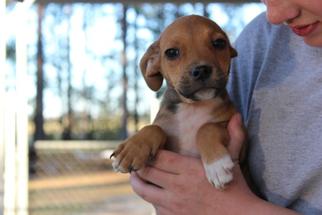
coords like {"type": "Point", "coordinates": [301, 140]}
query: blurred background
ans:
{"type": "Point", "coordinates": [71, 90]}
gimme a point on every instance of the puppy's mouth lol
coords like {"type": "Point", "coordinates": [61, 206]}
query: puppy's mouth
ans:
{"type": "Point", "coordinates": [202, 94]}
{"type": "Point", "coordinates": [206, 85]}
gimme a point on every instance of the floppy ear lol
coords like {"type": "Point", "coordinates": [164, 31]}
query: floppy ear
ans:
{"type": "Point", "coordinates": [233, 52]}
{"type": "Point", "coordinates": [150, 67]}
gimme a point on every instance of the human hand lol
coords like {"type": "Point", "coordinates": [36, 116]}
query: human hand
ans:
{"type": "Point", "coordinates": [177, 184]}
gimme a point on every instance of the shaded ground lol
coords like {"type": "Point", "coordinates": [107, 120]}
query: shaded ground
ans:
{"type": "Point", "coordinates": [81, 182]}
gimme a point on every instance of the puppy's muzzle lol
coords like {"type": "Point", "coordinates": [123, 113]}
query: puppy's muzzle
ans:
{"type": "Point", "coordinates": [201, 73]}
{"type": "Point", "coordinates": [202, 82]}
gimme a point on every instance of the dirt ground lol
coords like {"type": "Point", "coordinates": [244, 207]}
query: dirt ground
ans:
{"type": "Point", "coordinates": [81, 183]}
{"type": "Point", "coordinates": [102, 193]}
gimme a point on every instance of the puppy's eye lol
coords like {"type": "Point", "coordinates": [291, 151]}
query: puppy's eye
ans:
{"type": "Point", "coordinates": [172, 53]}
{"type": "Point", "coordinates": [219, 44]}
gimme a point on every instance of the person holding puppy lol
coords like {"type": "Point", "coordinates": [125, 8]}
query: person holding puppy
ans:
{"type": "Point", "coordinates": [276, 84]}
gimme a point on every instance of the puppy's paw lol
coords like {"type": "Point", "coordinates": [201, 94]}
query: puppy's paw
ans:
{"type": "Point", "coordinates": [219, 172]}
{"type": "Point", "coordinates": [131, 156]}
{"type": "Point", "coordinates": [136, 151]}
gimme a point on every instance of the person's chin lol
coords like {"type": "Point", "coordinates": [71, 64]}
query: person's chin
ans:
{"type": "Point", "coordinates": [315, 42]}
{"type": "Point", "coordinates": [315, 39]}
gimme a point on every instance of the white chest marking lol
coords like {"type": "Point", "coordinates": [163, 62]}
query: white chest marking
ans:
{"type": "Point", "coordinates": [187, 122]}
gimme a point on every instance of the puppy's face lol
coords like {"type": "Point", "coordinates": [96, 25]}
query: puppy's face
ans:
{"type": "Point", "coordinates": [193, 54]}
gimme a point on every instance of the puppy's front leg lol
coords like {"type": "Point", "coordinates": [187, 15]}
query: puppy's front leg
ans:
{"type": "Point", "coordinates": [138, 149]}
{"type": "Point", "coordinates": [212, 139]}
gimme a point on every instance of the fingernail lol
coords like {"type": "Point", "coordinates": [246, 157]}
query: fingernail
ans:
{"type": "Point", "coordinates": [239, 118]}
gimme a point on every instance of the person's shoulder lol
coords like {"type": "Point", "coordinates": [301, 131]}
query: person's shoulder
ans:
{"type": "Point", "coordinates": [260, 36]}
{"type": "Point", "coordinates": [259, 21]}
{"type": "Point", "coordinates": [258, 30]}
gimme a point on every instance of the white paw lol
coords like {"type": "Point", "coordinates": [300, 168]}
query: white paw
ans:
{"type": "Point", "coordinates": [219, 173]}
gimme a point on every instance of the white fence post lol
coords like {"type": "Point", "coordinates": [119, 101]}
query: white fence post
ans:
{"type": "Point", "coordinates": [2, 100]}
{"type": "Point", "coordinates": [14, 116]}
{"type": "Point", "coordinates": [21, 111]}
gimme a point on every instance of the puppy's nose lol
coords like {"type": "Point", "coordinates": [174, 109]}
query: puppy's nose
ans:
{"type": "Point", "coordinates": [201, 73]}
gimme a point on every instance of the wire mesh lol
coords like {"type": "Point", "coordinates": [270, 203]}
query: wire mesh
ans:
{"type": "Point", "coordinates": [78, 179]}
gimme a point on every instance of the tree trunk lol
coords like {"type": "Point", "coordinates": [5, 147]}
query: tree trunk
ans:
{"type": "Point", "coordinates": [67, 133]}
{"type": "Point", "coordinates": [205, 10]}
{"type": "Point", "coordinates": [136, 75]}
{"type": "Point", "coordinates": [39, 118]}
{"type": "Point", "coordinates": [125, 114]}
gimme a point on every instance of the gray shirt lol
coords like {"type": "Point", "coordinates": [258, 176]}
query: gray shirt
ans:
{"type": "Point", "coordinates": [276, 82]}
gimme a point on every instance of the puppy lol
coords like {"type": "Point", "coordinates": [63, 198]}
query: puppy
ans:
{"type": "Point", "coordinates": [193, 56]}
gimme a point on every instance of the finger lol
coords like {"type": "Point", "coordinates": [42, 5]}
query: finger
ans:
{"type": "Point", "coordinates": [172, 162]}
{"type": "Point", "coordinates": [156, 176]}
{"type": "Point", "coordinates": [237, 135]}
{"type": "Point", "coordinates": [146, 191]}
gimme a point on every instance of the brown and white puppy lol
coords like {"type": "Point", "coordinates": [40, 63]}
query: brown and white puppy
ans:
{"type": "Point", "coordinates": [193, 55]}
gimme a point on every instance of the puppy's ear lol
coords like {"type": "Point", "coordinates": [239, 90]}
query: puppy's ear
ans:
{"type": "Point", "coordinates": [233, 52]}
{"type": "Point", "coordinates": [150, 67]}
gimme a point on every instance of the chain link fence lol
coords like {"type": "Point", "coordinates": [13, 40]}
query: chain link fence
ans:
{"type": "Point", "coordinates": [76, 177]}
